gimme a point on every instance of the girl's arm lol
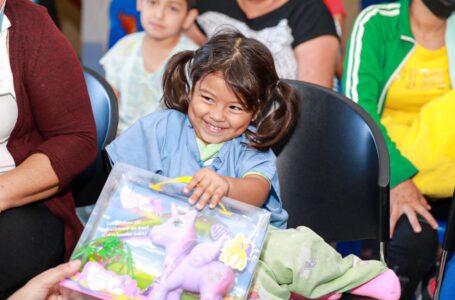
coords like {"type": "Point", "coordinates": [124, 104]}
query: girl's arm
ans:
{"type": "Point", "coordinates": [209, 187]}
{"type": "Point", "coordinates": [251, 189]}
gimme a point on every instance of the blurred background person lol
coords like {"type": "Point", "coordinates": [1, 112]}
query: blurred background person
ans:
{"type": "Point", "coordinates": [135, 65]}
{"type": "Point", "coordinates": [400, 67]}
{"type": "Point", "coordinates": [300, 33]}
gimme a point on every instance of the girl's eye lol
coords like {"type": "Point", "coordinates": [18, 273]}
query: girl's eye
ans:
{"type": "Point", "coordinates": [207, 99]}
{"type": "Point", "coordinates": [236, 108]}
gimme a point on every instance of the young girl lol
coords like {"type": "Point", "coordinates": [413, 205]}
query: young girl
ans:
{"type": "Point", "coordinates": [227, 107]}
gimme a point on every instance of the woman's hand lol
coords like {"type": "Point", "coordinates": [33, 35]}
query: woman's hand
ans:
{"type": "Point", "coordinates": [406, 198]}
{"type": "Point", "coordinates": [45, 285]}
{"type": "Point", "coordinates": [208, 187]}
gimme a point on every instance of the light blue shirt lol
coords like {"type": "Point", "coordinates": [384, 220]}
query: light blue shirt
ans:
{"type": "Point", "coordinates": [165, 143]}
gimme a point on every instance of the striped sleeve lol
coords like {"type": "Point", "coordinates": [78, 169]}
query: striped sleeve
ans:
{"type": "Point", "coordinates": [363, 75]}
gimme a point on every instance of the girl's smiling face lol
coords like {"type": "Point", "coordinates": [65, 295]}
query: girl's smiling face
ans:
{"type": "Point", "coordinates": [215, 112]}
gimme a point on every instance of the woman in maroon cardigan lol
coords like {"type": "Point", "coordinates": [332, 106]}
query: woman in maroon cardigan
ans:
{"type": "Point", "coordinates": [51, 140]}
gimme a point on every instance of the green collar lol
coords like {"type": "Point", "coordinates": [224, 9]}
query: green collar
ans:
{"type": "Point", "coordinates": [208, 151]}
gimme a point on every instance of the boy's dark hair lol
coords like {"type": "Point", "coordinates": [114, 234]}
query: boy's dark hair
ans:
{"type": "Point", "coordinates": [248, 68]}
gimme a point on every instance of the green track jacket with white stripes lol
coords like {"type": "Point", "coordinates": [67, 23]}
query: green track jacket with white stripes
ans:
{"type": "Point", "coordinates": [380, 43]}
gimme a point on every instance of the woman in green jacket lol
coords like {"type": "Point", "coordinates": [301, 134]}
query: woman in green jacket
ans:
{"type": "Point", "coordinates": [400, 67]}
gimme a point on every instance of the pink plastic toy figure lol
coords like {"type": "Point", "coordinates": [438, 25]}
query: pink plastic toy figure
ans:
{"type": "Point", "coordinates": [189, 266]}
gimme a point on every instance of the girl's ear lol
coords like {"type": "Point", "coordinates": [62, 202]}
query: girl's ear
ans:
{"type": "Point", "coordinates": [255, 115]}
{"type": "Point", "coordinates": [190, 18]}
{"type": "Point", "coordinates": [139, 5]}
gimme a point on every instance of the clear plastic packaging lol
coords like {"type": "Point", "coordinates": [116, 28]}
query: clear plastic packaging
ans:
{"type": "Point", "coordinates": [144, 241]}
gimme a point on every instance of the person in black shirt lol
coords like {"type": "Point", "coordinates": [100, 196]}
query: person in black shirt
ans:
{"type": "Point", "coordinates": [300, 33]}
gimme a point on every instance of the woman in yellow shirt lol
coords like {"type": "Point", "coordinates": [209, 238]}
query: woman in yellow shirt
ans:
{"type": "Point", "coordinates": [400, 67]}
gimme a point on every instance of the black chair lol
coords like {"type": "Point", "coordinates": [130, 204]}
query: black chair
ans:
{"type": "Point", "coordinates": [88, 185]}
{"type": "Point", "coordinates": [448, 250]}
{"type": "Point", "coordinates": [334, 169]}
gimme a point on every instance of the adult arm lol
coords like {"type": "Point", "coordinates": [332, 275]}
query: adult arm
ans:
{"type": "Point", "coordinates": [34, 179]}
{"type": "Point", "coordinates": [316, 60]}
{"type": "Point", "coordinates": [336, 8]}
{"type": "Point", "coordinates": [315, 42]}
{"type": "Point", "coordinates": [363, 74]}
{"type": "Point", "coordinates": [60, 109]}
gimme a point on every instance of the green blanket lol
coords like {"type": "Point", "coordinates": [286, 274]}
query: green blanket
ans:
{"type": "Point", "coordinates": [299, 261]}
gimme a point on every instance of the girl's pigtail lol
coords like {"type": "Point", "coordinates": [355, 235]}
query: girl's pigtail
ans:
{"type": "Point", "coordinates": [176, 84]}
{"type": "Point", "coordinates": [277, 117]}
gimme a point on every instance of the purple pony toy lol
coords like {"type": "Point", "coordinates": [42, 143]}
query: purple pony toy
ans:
{"type": "Point", "coordinates": [189, 266]}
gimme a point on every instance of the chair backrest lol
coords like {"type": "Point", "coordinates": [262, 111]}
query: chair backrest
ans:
{"type": "Point", "coordinates": [104, 106]}
{"type": "Point", "coordinates": [445, 286]}
{"type": "Point", "coordinates": [88, 185]}
{"type": "Point", "coordinates": [334, 168]}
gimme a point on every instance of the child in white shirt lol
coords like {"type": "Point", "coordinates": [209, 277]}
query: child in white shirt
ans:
{"type": "Point", "coordinates": [135, 65]}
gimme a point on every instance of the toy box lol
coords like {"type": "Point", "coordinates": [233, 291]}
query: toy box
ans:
{"type": "Point", "coordinates": [144, 241]}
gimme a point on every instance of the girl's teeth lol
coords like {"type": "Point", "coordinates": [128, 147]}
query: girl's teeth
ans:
{"type": "Point", "coordinates": [214, 128]}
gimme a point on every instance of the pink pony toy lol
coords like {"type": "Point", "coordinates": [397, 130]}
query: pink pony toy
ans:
{"type": "Point", "coordinates": [189, 266]}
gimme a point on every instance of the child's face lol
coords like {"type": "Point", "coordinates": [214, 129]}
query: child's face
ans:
{"type": "Point", "coordinates": [163, 19]}
{"type": "Point", "coordinates": [215, 112]}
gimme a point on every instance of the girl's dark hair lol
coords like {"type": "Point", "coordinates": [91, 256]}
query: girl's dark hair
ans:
{"type": "Point", "coordinates": [248, 68]}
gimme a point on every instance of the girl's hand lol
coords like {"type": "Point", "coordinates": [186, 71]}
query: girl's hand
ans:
{"type": "Point", "coordinates": [208, 187]}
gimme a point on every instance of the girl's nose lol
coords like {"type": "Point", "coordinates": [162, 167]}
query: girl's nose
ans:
{"type": "Point", "coordinates": [217, 114]}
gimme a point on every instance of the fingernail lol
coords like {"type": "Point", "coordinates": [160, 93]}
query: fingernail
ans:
{"type": "Point", "coordinates": [185, 190]}
{"type": "Point", "coordinates": [212, 205]}
{"type": "Point", "coordinates": [199, 206]}
{"type": "Point", "coordinates": [191, 201]}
